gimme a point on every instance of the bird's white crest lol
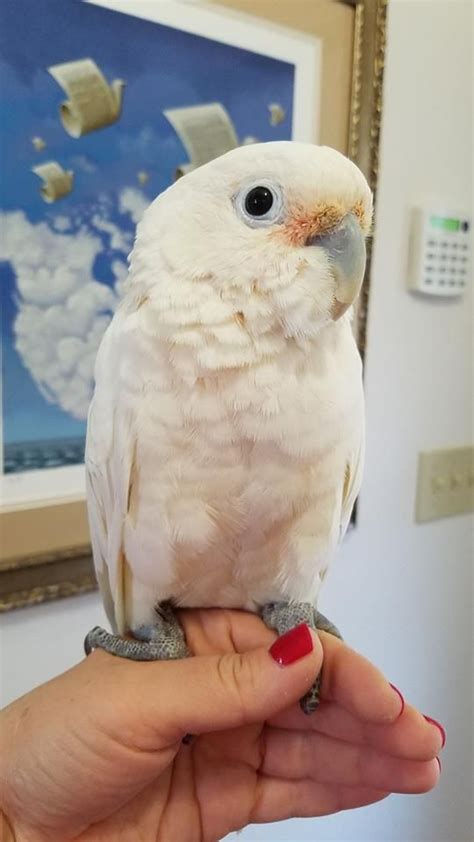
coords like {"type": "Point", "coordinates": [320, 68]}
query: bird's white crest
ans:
{"type": "Point", "coordinates": [225, 436]}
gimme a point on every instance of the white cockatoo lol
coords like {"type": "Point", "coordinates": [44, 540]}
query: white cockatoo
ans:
{"type": "Point", "coordinates": [226, 433]}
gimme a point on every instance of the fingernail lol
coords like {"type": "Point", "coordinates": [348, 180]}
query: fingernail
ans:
{"type": "Point", "coordinates": [292, 645]}
{"type": "Point", "coordinates": [439, 764]}
{"type": "Point", "coordinates": [397, 691]}
{"type": "Point", "coordinates": [439, 726]}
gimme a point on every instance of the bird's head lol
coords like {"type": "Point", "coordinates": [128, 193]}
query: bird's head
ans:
{"type": "Point", "coordinates": [273, 231]}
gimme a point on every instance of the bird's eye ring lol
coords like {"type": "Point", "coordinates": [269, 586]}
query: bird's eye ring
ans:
{"type": "Point", "coordinates": [259, 204]}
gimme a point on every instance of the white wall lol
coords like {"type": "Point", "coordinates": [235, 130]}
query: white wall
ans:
{"type": "Point", "coordinates": [401, 592]}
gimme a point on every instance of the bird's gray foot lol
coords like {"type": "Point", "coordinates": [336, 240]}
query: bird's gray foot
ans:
{"type": "Point", "coordinates": [163, 640]}
{"type": "Point", "coordinates": [283, 616]}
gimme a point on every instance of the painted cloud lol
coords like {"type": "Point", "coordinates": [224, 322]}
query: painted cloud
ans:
{"type": "Point", "coordinates": [63, 305]}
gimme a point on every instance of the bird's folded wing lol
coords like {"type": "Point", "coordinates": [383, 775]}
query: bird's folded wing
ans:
{"type": "Point", "coordinates": [353, 477]}
{"type": "Point", "coordinates": [110, 452]}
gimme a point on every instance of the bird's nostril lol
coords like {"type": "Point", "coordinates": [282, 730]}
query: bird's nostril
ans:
{"type": "Point", "coordinates": [320, 237]}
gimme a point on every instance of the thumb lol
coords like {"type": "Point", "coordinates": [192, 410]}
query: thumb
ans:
{"type": "Point", "coordinates": [212, 693]}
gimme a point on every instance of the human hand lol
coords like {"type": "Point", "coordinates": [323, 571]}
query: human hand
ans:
{"type": "Point", "coordinates": [96, 755]}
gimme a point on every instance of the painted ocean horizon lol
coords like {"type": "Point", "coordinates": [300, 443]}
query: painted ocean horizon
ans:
{"type": "Point", "coordinates": [48, 453]}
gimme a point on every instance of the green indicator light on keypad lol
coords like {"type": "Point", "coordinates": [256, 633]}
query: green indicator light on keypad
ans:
{"type": "Point", "coordinates": [445, 224]}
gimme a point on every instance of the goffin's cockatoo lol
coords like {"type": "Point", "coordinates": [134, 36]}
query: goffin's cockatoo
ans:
{"type": "Point", "coordinates": [226, 433]}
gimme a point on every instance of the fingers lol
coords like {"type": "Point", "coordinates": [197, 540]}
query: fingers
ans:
{"type": "Point", "coordinates": [410, 736]}
{"type": "Point", "coordinates": [356, 685]}
{"type": "Point", "coordinates": [296, 754]}
{"type": "Point", "coordinates": [211, 693]}
{"type": "Point", "coordinates": [278, 799]}
{"type": "Point", "coordinates": [348, 678]}
{"type": "Point", "coordinates": [215, 630]}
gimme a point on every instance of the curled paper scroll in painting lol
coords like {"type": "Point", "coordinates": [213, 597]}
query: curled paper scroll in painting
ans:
{"type": "Point", "coordinates": [206, 131]}
{"type": "Point", "coordinates": [277, 113]}
{"type": "Point", "coordinates": [57, 182]}
{"type": "Point", "coordinates": [38, 143]}
{"type": "Point", "coordinates": [93, 103]}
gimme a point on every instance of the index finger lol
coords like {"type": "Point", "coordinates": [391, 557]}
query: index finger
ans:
{"type": "Point", "coordinates": [354, 684]}
{"type": "Point", "coordinates": [348, 679]}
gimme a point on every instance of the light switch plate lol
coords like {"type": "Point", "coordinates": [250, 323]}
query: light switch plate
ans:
{"type": "Point", "coordinates": [445, 483]}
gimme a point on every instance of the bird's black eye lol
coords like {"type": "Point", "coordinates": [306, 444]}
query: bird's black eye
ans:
{"type": "Point", "coordinates": [258, 201]}
{"type": "Point", "coordinates": [259, 204]}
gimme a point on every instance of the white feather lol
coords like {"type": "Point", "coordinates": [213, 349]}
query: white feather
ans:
{"type": "Point", "coordinates": [225, 437]}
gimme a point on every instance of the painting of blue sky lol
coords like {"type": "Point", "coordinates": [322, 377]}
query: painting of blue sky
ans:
{"type": "Point", "coordinates": [62, 264]}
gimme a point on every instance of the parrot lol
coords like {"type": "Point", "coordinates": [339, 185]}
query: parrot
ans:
{"type": "Point", "coordinates": [225, 437]}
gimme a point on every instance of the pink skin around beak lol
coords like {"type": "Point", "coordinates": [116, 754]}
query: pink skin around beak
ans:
{"type": "Point", "coordinates": [342, 237]}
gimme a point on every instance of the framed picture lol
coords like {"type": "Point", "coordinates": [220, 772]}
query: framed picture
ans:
{"type": "Point", "coordinates": [128, 96]}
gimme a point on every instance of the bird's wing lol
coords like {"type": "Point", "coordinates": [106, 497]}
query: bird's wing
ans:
{"type": "Point", "coordinates": [110, 450]}
{"type": "Point", "coordinates": [353, 477]}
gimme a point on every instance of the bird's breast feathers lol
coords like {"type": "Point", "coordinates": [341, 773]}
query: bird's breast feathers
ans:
{"type": "Point", "coordinates": [236, 482]}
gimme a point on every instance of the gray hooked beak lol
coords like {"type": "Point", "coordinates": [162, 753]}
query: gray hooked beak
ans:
{"type": "Point", "coordinates": [345, 248]}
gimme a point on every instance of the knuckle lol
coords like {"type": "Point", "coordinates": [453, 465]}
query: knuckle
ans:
{"type": "Point", "coordinates": [238, 680]}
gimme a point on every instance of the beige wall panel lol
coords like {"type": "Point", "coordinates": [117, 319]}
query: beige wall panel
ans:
{"type": "Point", "coordinates": [333, 22]}
{"type": "Point", "coordinates": [45, 529]}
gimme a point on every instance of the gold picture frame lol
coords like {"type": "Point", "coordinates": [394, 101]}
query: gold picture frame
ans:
{"type": "Point", "coordinates": [45, 549]}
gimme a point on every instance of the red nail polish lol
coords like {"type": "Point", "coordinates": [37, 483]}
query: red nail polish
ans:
{"type": "Point", "coordinates": [292, 646]}
{"type": "Point", "coordinates": [401, 697]}
{"type": "Point", "coordinates": [439, 726]}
